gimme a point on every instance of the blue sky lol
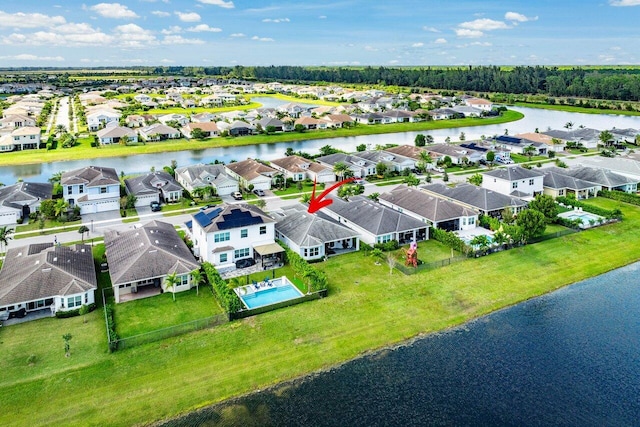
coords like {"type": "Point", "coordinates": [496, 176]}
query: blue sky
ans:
{"type": "Point", "coordinates": [310, 32]}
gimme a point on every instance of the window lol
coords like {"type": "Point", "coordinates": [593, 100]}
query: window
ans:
{"type": "Point", "coordinates": [69, 189]}
{"type": "Point", "coordinates": [223, 257]}
{"type": "Point", "coordinates": [241, 253]}
{"type": "Point", "coordinates": [103, 190]}
{"type": "Point", "coordinates": [184, 280]}
{"type": "Point", "coordinates": [384, 239]}
{"type": "Point", "coordinates": [81, 189]}
{"type": "Point", "coordinates": [531, 182]}
{"type": "Point", "coordinates": [312, 252]}
{"type": "Point", "coordinates": [221, 237]}
{"type": "Point", "coordinates": [560, 192]}
{"type": "Point", "coordinates": [263, 229]}
{"type": "Point", "coordinates": [244, 233]}
{"type": "Point", "coordinates": [86, 298]}
{"type": "Point", "coordinates": [464, 221]}
{"type": "Point", "coordinates": [16, 138]}
{"type": "Point", "coordinates": [74, 301]}
{"type": "Point", "coordinates": [32, 137]}
{"type": "Point", "coordinates": [472, 221]}
{"type": "Point", "coordinates": [514, 185]}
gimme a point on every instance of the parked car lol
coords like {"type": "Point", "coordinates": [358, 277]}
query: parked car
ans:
{"type": "Point", "coordinates": [155, 206]}
{"type": "Point", "coordinates": [359, 181]}
{"type": "Point", "coordinates": [237, 195]}
{"type": "Point", "coordinates": [244, 263]}
{"type": "Point", "coordinates": [258, 192]}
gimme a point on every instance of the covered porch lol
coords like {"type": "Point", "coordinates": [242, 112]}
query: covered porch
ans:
{"type": "Point", "coordinates": [341, 246]}
{"type": "Point", "coordinates": [409, 236]}
{"type": "Point", "coordinates": [269, 255]}
{"type": "Point", "coordinates": [139, 290]}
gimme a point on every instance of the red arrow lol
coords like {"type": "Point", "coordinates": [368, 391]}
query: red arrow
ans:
{"type": "Point", "coordinates": [316, 203]}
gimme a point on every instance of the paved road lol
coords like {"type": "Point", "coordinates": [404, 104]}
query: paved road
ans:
{"type": "Point", "coordinates": [63, 113]}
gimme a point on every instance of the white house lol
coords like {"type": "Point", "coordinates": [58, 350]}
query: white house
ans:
{"type": "Point", "coordinates": [298, 169]}
{"type": "Point", "coordinates": [251, 172]}
{"type": "Point", "coordinates": [514, 181]}
{"type": "Point", "coordinates": [17, 201]}
{"type": "Point", "coordinates": [156, 186]}
{"type": "Point", "coordinates": [21, 138]}
{"type": "Point", "coordinates": [93, 188]}
{"type": "Point", "coordinates": [46, 277]}
{"type": "Point", "coordinates": [113, 135]}
{"type": "Point", "coordinates": [99, 118]}
{"type": "Point", "coordinates": [225, 234]}
{"type": "Point", "coordinates": [201, 175]}
{"type": "Point", "coordinates": [179, 118]}
{"type": "Point", "coordinates": [159, 132]}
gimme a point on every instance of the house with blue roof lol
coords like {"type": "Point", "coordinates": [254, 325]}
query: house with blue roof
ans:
{"type": "Point", "coordinates": [225, 234]}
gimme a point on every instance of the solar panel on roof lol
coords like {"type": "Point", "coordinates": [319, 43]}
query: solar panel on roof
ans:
{"type": "Point", "coordinates": [238, 218]}
{"type": "Point", "coordinates": [205, 218]}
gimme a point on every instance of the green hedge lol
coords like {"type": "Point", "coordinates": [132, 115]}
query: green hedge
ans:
{"type": "Point", "coordinates": [229, 301]}
{"type": "Point", "coordinates": [633, 199]}
{"type": "Point", "coordinates": [448, 238]}
{"type": "Point", "coordinates": [316, 280]}
{"type": "Point", "coordinates": [73, 313]}
{"type": "Point", "coordinates": [111, 327]}
{"type": "Point", "coordinates": [609, 214]}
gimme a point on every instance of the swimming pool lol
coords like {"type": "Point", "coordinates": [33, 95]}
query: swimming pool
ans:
{"type": "Point", "coordinates": [280, 290]}
{"type": "Point", "coordinates": [584, 217]}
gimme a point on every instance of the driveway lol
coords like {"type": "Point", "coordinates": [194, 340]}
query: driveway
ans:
{"type": "Point", "coordinates": [102, 218]}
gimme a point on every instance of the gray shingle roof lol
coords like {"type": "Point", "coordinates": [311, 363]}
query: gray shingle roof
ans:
{"type": "Point", "coordinates": [150, 183]}
{"type": "Point", "coordinates": [153, 250]}
{"type": "Point", "coordinates": [250, 169]}
{"type": "Point", "coordinates": [373, 217]}
{"type": "Point", "coordinates": [598, 176]}
{"type": "Point", "coordinates": [296, 163]}
{"type": "Point", "coordinates": [555, 180]}
{"type": "Point", "coordinates": [306, 229]}
{"type": "Point", "coordinates": [514, 173]}
{"type": "Point", "coordinates": [480, 198]}
{"type": "Point", "coordinates": [202, 175]}
{"type": "Point", "coordinates": [42, 271]}
{"type": "Point", "coordinates": [25, 192]}
{"type": "Point", "coordinates": [433, 208]}
{"type": "Point", "coordinates": [91, 176]}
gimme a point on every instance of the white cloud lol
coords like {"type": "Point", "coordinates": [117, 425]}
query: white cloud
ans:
{"type": "Point", "coordinates": [167, 61]}
{"type": "Point", "coordinates": [393, 61]}
{"type": "Point", "coordinates": [70, 34]}
{"type": "Point", "coordinates": [29, 20]}
{"type": "Point", "coordinates": [113, 10]}
{"type": "Point", "coordinates": [370, 49]}
{"type": "Point", "coordinates": [518, 17]}
{"type": "Point", "coordinates": [616, 48]}
{"type": "Point", "coordinates": [462, 32]}
{"type": "Point", "coordinates": [221, 3]}
{"type": "Point", "coordinates": [419, 44]}
{"type": "Point", "coordinates": [204, 28]}
{"type": "Point", "coordinates": [624, 2]}
{"type": "Point", "coordinates": [322, 17]}
{"type": "Point", "coordinates": [160, 13]}
{"type": "Point", "coordinates": [262, 39]}
{"type": "Point", "coordinates": [440, 41]}
{"type": "Point", "coordinates": [276, 21]}
{"type": "Point", "coordinates": [430, 29]}
{"type": "Point", "coordinates": [480, 44]}
{"type": "Point", "coordinates": [188, 17]}
{"type": "Point", "coordinates": [28, 57]}
{"type": "Point", "coordinates": [180, 40]}
{"type": "Point", "coordinates": [484, 24]}
{"type": "Point", "coordinates": [133, 36]}
{"type": "Point", "coordinates": [174, 29]}
{"type": "Point", "coordinates": [237, 35]}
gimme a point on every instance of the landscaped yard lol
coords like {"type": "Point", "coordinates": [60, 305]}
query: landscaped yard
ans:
{"type": "Point", "coordinates": [367, 308]}
{"type": "Point", "coordinates": [158, 312]}
{"type": "Point", "coordinates": [293, 189]}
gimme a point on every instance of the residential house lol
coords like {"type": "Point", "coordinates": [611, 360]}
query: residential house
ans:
{"type": "Point", "coordinates": [159, 132]}
{"type": "Point", "coordinates": [376, 223]}
{"type": "Point", "coordinates": [240, 128]}
{"type": "Point", "coordinates": [209, 129]}
{"type": "Point", "coordinates": [251, 172]}
{"type": "Point", "coordinates": [394, 162]}
{"type": "Point", "coordinates": [358, 166]}
{"type": "Point", "coordinates": [519, 145]}
{"type": "Point", "coordinates": [514, 181]}
{"type": "Point", "coordinates": [16, 121]}
{"type": "Point", "coordinates": [627, 166]}
{"type": "Point", "coordinates": [540, 138]}
{"type": "Point", "coordinates": [604, 178]}
{"type": "Point", "coordinates": [142, 98]}
{"type": "Point", "coordinates": [370, 119]}
{"type": "Point", "coordinates": [293, 109]}
{"type": "Point", "coordinates": [156, 186]}
{"type": "Point", "coordinates": [482, 104]}
{"type": "Point", "coordinates": [135, 121]}
{"type": "Point", "coordinates": [431, 209]}
{"type": "Point", "coordinates": [456, 153]}
{"type": "Point", "coordinates": [338, 120]}
{"type": "Point", "coordinates": [311, 236]}
{"type": "Point", "coordinates": [140, 260]}
{"type": "Point", "coordinates": [467, 111]}
{"type": "Point", "coordinates": [93, 188]}
{"type": "Point", "coordinates": [17, 201]}
{"type": "Point", "coordinates": [181, 119]}
{"type": "Point", "coordinates": [309, 123]}
{"type": "Point", "coordinates": [626, 136]}
{"type": "Point", "coordinates": [270, 122]}
{"type": "Point", "coordinates": [42, 276]}
{"type": "Point", "coordinates": [588, 137]}
{"type": "Point", "coordinates": [225, 234]}
{"type": "Point", "coordinates": [21, 138]}
{"type": "Point", "coordinates": [201, 175]}
{"type": "Point", "coordinates": [99, 118]}
{"type": "Point", "coordinates": [298, 169]}
{"type": "Point", "coordinates": [485, 201]}
{"type": "Point", "coordinates": [203, 117]}
{"type": "Point", "coordinates": [114, 134]}
{"type": "Point", "coordinates": [557, 184]}
{"type": "Point", "coordinates": [399, 116]}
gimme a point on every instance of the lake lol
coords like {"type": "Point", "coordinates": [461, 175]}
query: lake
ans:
{"type": "Point", "coordinates": [534, 118]}
{"type": "Point", "coordinates": [569, 358]}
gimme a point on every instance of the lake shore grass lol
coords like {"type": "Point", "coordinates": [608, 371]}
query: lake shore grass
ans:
{"type": "Point", "coordinates": [367, 309]}
{"type": "Point", "coordinates": [573, 109]}
{"type": "Point", "coordinates": [85, 151]}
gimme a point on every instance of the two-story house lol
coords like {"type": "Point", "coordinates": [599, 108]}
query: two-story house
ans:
{"type": "Point", "coordinates": [298, 169]}
{"type": "Point", "coordinates": [225, 234]}
{"type": "Point", "coordinates": [515, 181]}
{"type": "Point", "coordinates": [99, 118]}
{"type": "Point", "coordinates": [93, 188]}
{"type": "Point", "coordinates": [251, 172]}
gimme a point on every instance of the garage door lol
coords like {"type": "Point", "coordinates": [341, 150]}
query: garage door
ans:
{"type": "Point", "coordinates": [104, 206]}
{"type": "Point", "coordinates": [8, 218]}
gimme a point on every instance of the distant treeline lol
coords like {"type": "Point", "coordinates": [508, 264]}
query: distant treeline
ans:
{"type": "Point", "coordinates": [598, 83]}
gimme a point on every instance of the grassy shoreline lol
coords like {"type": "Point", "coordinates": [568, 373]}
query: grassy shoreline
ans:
{"type": "Point", "coordinates": [84, 151]}
{"type": "Point", "coordinates": [572, 109]}
{"type": "Point", "coordinates": [367, 309]}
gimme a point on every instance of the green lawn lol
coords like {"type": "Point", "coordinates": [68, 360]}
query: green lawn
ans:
{"type": "Point", "coordinates": [573, 109]}
{"type": "Point", "coordinates": [149, 314]}
{"type": "Point", "coordinates": [367, 308]}
{"type": "Point", "coordinates": [520, 158]}
{"type": "Point", "coordinates": [293, 189]}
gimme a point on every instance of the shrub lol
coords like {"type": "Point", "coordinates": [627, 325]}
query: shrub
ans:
{"type": "Point", "coordinates": [227, 298]}
{"type": "Point", "coordinates": [31, 360]}
{"type": "Point", "coordinates": [316, 279]}
{"type": "Point", "coordinates": [633, 199]}
{"type": "Point", "coordinates": [391, 245]}
{"type": "Point", "coordinates": [111, 327]}
{"type": "Point", "coordinates": [448, 238]}
{"type": "Point", "coordinates": [609, 214]}
{"type": "Point", "coordinates": [72, 313]}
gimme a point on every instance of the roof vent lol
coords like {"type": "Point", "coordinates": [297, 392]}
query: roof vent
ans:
{"type": "Point", "coordinates": [37, 261]}
{"type": "Point", "coordinates": [46, 270]}
{"type": "Point", "coordinates": [55, 258]}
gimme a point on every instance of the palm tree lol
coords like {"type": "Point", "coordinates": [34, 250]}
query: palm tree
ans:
{"type": "Point", "coordinates": [306, 198]}
{"type": "Point", "coordinates": [606, 138]}
{"type": "Point", "coordinates": [529, 151]}
{"type": "Point", "coordinates": [170, 282]}
{"type": "Point", "coordinates": [60, 207]}
{"type": "Point", "coordinates": [83, 229]}
{"type": "Point", "coordinates": [340, 169]}
{"type": "Point", "coordinates": [60, 129]}
{"type": "Point", "coordinates": [425, 159]}
{"type": "Point", "coordinates": [5, 236]}
{"type": "Point", "coordinates": [568, 125]}
{"type": "Point", "coordinates": [197, 278]}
